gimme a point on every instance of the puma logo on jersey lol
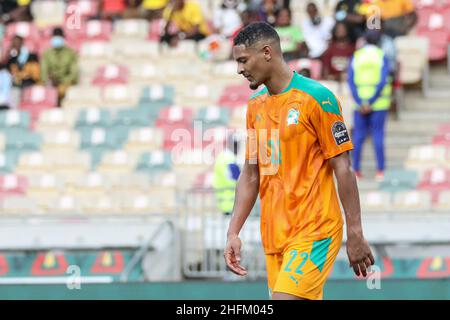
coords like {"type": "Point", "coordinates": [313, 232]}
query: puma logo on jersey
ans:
{"type": "Point", "coordinates": [327, 102]}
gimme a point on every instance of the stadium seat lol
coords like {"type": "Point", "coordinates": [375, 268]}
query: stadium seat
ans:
{"type": "Point", "coordinates": [438, 43]}
{"type": "Point", "coordinates": [435, 181]}
{"type": "Point", "coordinates": [144, 140]}
{"type": "Point", "coordinates": [12, 184]}
{"type": "Point", "coordinates": [197, 95]}
{"type": "Point", "coordinates": [110, 74]}
{"type": "Point", "coordinates": [443, 139]}
{"type": "Point", "coordinates": [443, 203]}
{"type": "Point", "coordinates": [54, 120]}
{"type": "Point", "coordinates": [155, 161]}
{"type": "Point", "coordinates": [412, 54]}
{"type": "Point", "coordinates": [65, 204]}
{"type": "Point", "coordinates": [130, 182]}
{"type": "Point", "coordinates": [376, 201]}
{"type": "Point", "coordinates": [22, 140]}
{"type": "Point", "coordinates": [444, 128]}
{"type": "Point", "coordinates": [177, 135]}
{"type": "Point", "coordinates": [145, 73]}
{"type": "Point", "coordinates": [174, 115]}
{"type": "Point", "coordinates": [103, 204]}
{"type": "Point", "coordinates": [84, 8]}
{"type": "Point", "coordinates": [137, 203]}
{"type": "Point", "coordinates": [136, 50]}
{"type": "Point", "coordinates": [94, 117]}
{"type": "Point", "coordinates": [62, 141]}
{"type": "Point", "coordinates": [157, 95]}
{"type": "Point", "coordinates": [71, 164]}
{"type": "Point", "coordinates": [20, 205]}
{"type": "Point", "coordinates": [38, 98]}
{"type": "Point", "coordinates": [120, 96]}
{"type": "Point", "coordinates": [8, 160]}
{"type": "Point", "coordinates": [97, 141]}
{"type": "Point", "coordinates": [426, 157]}
{"type": "Point", "coordinates": [238, 118]}
{"type": "Point", "coordinates": [14, 119]}
{"type": "Point", "coordinates": [413, 200]}
{"type": "Point", "coordinates": [204, 180]}
{"type": "Point", "coordinates": [97, 30]}
{"type": "Point", "coordinates": [213, 116]}
{"type": "Point", "coordinates": [34, 163]}
{"type": "Point", "coordinates": [96, 50]}
{"type": "Point", "coordinates": [131, 28]}
{"type": "Point", "coordinates": [226, 70]}
{"type": "Point", "coordinates": [117, 162]}
{"type": "Point", "coordinates": [398, 180]}
{"type": "Point", "coordinates": [81, 97]}
{"type": "Point", "coordinates": [45, 186]}
{"type": "Point", "coordinates": [48, 13]}
{"type": "Point", "coordinates": [185, 49]}
{"type": "Point", "coordinates": [235, 96]}
{"type": "Point", "coordinates": [27, 30]}
{"type": "Point", "coordinates": [93, 183]}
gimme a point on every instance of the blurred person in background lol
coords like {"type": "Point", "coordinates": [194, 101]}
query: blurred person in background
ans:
{"type": "Point", "coordinates": [112, 9]}
{"type": "Point", "coordinates": [59, 65]}
{"type": "Point", "coordinates": [267, 11]}
{"type": "Point", "coordinates": [153, 9]}
{"type": "Point", "coordinates": [133, 10]}
{"type": "Point", "coordinates": [226, 19]}
{"type": "Point", "coordinates": [23, 65]}
{"type": "Point", "coordinates": [292, 40]}
{"type": "Point", "coordinates": [184, 20]}
{"type": "Point", "coordinates": [399, 15]}
{"type": "Point", "coordinates": [5, 87]}
{"type": "Point", "coordinates": [335, 60]}
{"type": "Point", "coordinates": [226, 174]}
{"type": "Point", "coordinates": [368, 78]}
{"type": "Point", "coordinates": [317, 31]}
{"type": "Point", "coordinates": [14, 11]}
{"type": "Point", "coordinates": [247, 16]}
{"type": "Point", "coordinates": [347, 11]}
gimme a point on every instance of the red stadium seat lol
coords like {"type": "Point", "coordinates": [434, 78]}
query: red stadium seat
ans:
{"type": "Point", "coordinates": [13, 184]}
{"type": "Point", "coordinates": [443, 138]}
{"type": "Point", "coordinates": [156, 29]}
{"type": "Point", "coordinates": [111, 74]}
{"type": "Point", "coordinates": [38, 98]}
{"type": "Point", "coordinates": [444, 128]}
{"type": "Point", "coordinates": [84, 8]}
{"type": "Point", "coordinates": [435, 181]}
{"type": "Point", "coordinates": [235, 96]}
{"type": "Point", "coordinates": [204, 180]}
{"type": "Point", "coordinates": [438, 43]}
{"type": "Point", "coordinates": [26, 30]}
{"type": "Point", "coordinates": [177, 135]}
{"type": "Point", "coordinates": [174, 116]}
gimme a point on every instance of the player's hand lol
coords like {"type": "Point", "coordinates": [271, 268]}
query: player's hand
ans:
{"type": "Point", "coordinates": [359, 254]}
{"type": "Point", "coordinates": [232, 255]}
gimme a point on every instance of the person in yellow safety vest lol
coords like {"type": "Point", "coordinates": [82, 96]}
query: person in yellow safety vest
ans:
{"type": "Point", "coordinates": [226, 174]}
{"type": "Point", "coordinates": [370, 84]}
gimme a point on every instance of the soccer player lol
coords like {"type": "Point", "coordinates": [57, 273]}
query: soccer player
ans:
{"type": "Point", "coordinates": [296, 140]}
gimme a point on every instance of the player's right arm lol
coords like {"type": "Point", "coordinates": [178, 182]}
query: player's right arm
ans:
{"type": "Point", "coordinates": [246, 192]}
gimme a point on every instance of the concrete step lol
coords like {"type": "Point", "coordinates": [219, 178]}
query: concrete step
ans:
{"type": "Point", "coordinates": [427, 115]}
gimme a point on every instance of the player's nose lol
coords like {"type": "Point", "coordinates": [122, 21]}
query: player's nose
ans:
{"type": "Point", "coordinates": [240, 69]}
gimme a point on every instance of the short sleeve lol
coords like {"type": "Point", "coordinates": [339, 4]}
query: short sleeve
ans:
{"type": "Point", "coordinates": [251, 151]}
{"type": "Point", "coordinates": [408, 6]}
{"type": "Point", "coordinates": [330, 128]}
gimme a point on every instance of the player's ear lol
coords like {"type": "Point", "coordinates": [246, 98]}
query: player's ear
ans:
{"type": "Point", "coordinates": [267, 51]}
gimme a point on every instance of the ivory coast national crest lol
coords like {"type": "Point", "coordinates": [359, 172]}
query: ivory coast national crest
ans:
{"type": "Point", "coordinates": [292, 117]}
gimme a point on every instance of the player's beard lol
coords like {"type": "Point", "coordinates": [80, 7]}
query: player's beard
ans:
{"type": "Point", "coordinates": [253, 85]}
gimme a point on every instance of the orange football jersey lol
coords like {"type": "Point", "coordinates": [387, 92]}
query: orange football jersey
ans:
{"type": "Point", "coordinates": [291, 135]}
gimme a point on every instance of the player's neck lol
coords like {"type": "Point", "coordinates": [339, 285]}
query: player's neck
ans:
{"type": "Point", "coordinates": [280, 79]}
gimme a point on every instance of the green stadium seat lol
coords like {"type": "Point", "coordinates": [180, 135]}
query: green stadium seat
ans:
{"type": "Point", "coordinates": [213, 116]}
{"type": "Point", "coordinates": [93, 118]}
{"type": "Point", "coordinates": [399, 180]}
{"type": "Point", "coordinates": [158, 94]}
{"type": "Point", "coordinates": [14, 119]}
{"type": "Point", "coordinates": [134, 117]}
{"type": "Point", "coordinates": [20, 139]}
{"type": "Point", "coordinates": [154, 162]}
{"type": "Point", "coordinates": [8, 161]}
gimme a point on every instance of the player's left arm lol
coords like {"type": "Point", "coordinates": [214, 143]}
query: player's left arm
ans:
{"type": "Point", "coordinates": [358, 250]}
{"type": "Point", "coordinates": [334, 140]}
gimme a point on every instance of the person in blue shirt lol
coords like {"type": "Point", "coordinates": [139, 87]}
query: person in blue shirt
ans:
{"type": "Point", "coordinates": [5, 87]}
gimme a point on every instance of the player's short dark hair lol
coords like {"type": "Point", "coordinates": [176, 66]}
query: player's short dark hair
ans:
{"type": "Point", "coordinates": [256, 32]}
